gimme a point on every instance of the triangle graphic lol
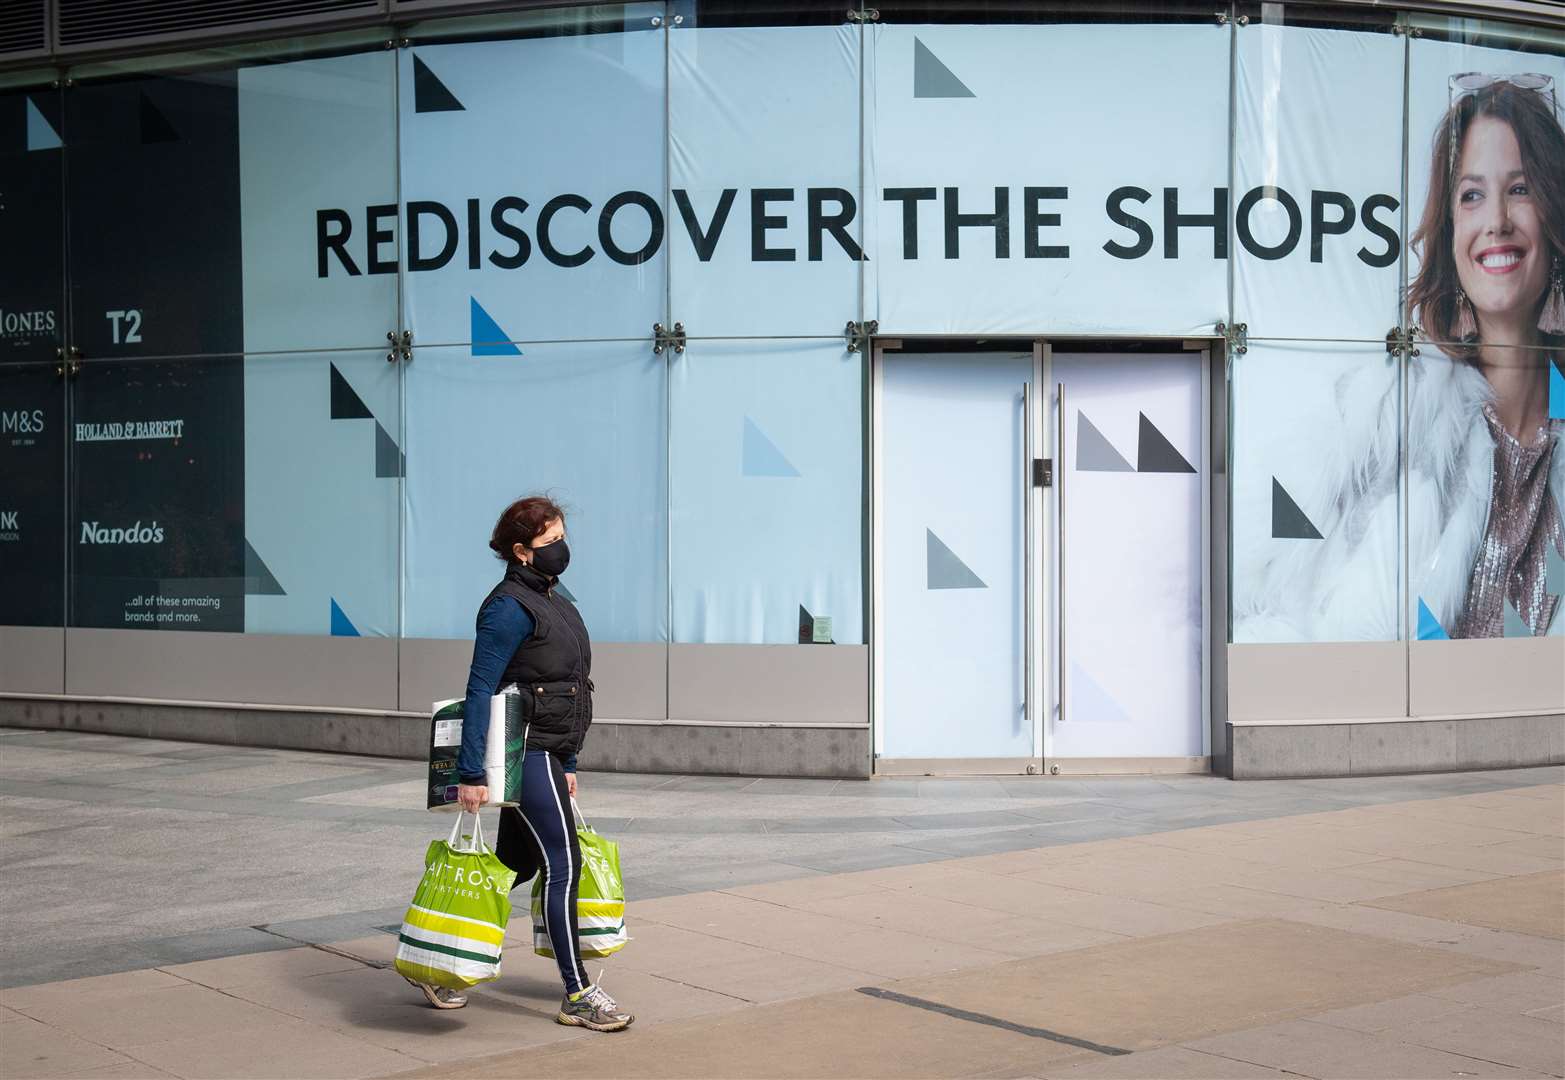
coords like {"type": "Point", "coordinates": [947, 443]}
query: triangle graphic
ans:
{"type": "Point", "coordinates": [1288, 521]}
{"type": "Point", "coordinates": [1556, 393]}
{"type": "Point", "coordinates": [563, 591]}
{"type": "Point", "coordinates": [259, 580]}
{"type": "Point", "coordinates": [806, 626]}
{"type": "Point", "coordinates": [40, 133]}
{"type": "Point", "coordinates": [945, 570]}
{"type": "Point", "coordinates": [1514, 625]}
{"type": "Point", "coordinates": [1094, 453]}
{"type": "Point", "coordinates": [1429, 628]}
{"type": "Point", "coordinates": [155, 127]}
{"type": "Point", "coordinates": [1090, 703]}
{"type": "Point", "coordinates": [341, 625]}
{"type": "Point", "coordinates": [389, 460]}
{"type": "Point", "coordinates": [932, 79]}
{"type": "Point", "coordinates": [1154, 453]}
{"type": "Point", "coordinates": [429, 93]}
{"type": "Point", "coordinates": [761, 456]}
{"type": "Point", "coordinates": [488, 338]}
{"type": "Point", "coordinates": [345, 401]}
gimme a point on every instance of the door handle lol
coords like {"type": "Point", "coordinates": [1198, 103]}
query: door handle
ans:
{"type": "Point", "coordinates": [1027, 615]}
{"type": "Point", "coordinates": [1059, 489]}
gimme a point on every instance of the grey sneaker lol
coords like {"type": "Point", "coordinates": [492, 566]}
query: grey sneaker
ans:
{"type": "Point", "coordinates": [595, 1010]}
{"type": "Point", "coordinates": [441, 997]}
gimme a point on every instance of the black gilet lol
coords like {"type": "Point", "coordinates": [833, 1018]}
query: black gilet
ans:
{"type": "Point", "coordinates": [553, 667]}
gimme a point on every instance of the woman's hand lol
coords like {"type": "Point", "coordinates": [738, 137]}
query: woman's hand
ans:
{"type": "Point", "coordinates": [471, 796]}
{"type": "Point", "coordinates": [570, 783]}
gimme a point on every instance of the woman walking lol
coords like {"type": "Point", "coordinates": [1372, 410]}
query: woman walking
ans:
{"type": "Point", "coordinates": [530, 635]}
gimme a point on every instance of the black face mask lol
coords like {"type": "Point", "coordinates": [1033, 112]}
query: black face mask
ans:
{"type": "Point", "coordinates": [552, 559]}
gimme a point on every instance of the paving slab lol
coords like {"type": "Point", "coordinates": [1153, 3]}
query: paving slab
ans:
{"type": "Point", "coordinates": [1531, 904]}
{"type": "Point", "coordinates": [1167, 1063]}
{"type": "Point", "coordinates": [1523, 1042]}
{"type": "Point", "coordinates": [1305, 1048]}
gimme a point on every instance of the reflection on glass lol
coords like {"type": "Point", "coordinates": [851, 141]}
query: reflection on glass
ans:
{"type": "Point", "coordinates": [32, 222]}
{"type": "Point", "coordinates": [1486, 396]}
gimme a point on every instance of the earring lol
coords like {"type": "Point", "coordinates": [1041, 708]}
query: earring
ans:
{"type": "Point", "coordinates": [1551, 320]}
{"type": "Point", "coordinates": [1466, 325]}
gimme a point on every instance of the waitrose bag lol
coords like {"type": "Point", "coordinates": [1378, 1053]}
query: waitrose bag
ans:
{"type": "Point", "coordinates": [452, 932]}
{"type": "Point", "coordinates": [600, 904]}
{"type": "Point", "coordinates": [502, 752]}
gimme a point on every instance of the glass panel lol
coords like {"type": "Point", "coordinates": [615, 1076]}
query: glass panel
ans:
{"type": "Point", "coordinates": [1317, 178]}
{"type": "Point", "coordinates": [533, 173]}
{"type": "Point", "coordinates": [766, 233]}
{"type": "Point", "coordinates": [1316, 510]}
{"type": "Point", "coordinates": [581, 422]}
{"type": "Point", "coordinates": [157, 495]}
{"type": "Point", "coordinates": [32, 224]}
{"type": "Point", "coordinates": [1058, 11]}
{"type": "Point", "coordinates": [768, 493]}
{"type": "Point", "coordinates": [997, 205]}
{"type": "Point", "coordinates": [322, 493]}
{"type": "Point", "coordinates": [1486, 394]}
{"type": "Point", "coordinates": [233, 209]}
{"type": "Point", "coordinates": [32, 495]}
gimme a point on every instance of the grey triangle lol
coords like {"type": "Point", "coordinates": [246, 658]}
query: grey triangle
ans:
{"type": "Point", "coordinates": [1154, 453]}
{"type": "Point", "coordinates": [1554, 570]}
{"type": "Point", "coordinates": [389, 461]}
{"type": "Point", "coordinates": [560, 588]}
{"type": "Point", "coordinates": [259, 580]}
{"type": "Point", "coordinates": [945, 570]}
{"type": "Point", "coordinates": [806, 626]}
{"type": "Point", "coordinates": [1288, 521]}
{"type": "Point", "coordinates": [1094, 452]}
{"type": "Point", "coordinates": [1514, 626]}
{"type": "Point", "coordinates": [932, 79]}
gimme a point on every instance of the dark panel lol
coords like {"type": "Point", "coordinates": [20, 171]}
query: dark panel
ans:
{"type": "Point", "coordinates": [94, 22]}
{"type": "Point", "coordinates": [157, 495]}
{"type": "Point", "coordinates": [153, 216]}
{"type": "Point", "coordinates": [32, 222]}
{"type": "Point", "coordinates": [32, 496]}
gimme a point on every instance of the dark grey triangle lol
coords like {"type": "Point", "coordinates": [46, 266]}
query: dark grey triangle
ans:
{"type": "Point", "coordinates": [259, 580]}
{"type": "Point", "coordinates": [389, 461]}
{"type": "Point", "coordinates": [1288, 521]}
{"type": "Point", "coordinates": [932, 79]}
{"type": "Point", "coordinates": [345, 401]}
{"type": "Point", "coordinates": [155, 127]}
{"type": "Point", "coordinates": [806, 626]}
{"type": "Point", "coordinates": [1154, 453]}
{"type": "Point", "coordinates": [429, 93]}
{"type": "Point", "coordinates": [1094, 452]}
{"type": "Point", "coordinates": [945, 570]}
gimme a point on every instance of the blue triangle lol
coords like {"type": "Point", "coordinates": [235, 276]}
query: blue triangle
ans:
{"type": "Point", "coordinates": [488, 338]}
{"type": "Point", "coordinates": [1515, 626]}
{"type": "Point", "coordinates": [1429, 628]}
{"type": "Point", "coordinates": [761, 456]}
{"type": "Point", "coordinates": [1090, 702]}
{"type": "Point", "coordinates": [1556, 393]}
{"type": "Point", "coordinates": [40, 133]}
{"type": "Point", "coordinates": [340, 624]}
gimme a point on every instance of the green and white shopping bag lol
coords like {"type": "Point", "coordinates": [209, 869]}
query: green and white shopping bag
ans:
{"type": "Point", "coordinates": [452, 933]}
{"type": "Point", "coordinates": [600, 903]}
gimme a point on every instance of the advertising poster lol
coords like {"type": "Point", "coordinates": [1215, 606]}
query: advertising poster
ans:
{"type": "Point", "coordinates": [1377, 498]}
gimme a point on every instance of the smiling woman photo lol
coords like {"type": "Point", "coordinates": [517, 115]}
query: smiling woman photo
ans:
{"type": "Point", "coordinates": [1489, 296]}
{"type": "Point", "coordinates": [1484, 475]}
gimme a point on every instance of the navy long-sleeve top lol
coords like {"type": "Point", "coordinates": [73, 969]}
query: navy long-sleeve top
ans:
{"type": "Point", "coordinates": [503, 625]}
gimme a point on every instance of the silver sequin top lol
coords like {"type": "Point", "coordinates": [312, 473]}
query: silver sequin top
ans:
{"type": "Point", "coordinates": [1524, 522]}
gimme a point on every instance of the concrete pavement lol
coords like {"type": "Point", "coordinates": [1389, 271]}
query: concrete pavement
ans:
{"type": "Point", "coordinates": [1180, 927]}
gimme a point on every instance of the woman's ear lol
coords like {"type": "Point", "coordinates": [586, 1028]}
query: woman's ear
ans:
{"type": "Point", "coordinates": [522, 554]}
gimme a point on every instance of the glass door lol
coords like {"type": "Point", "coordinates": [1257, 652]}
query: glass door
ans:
{"type": "Point", "coordinates": [953, 533]}
{"type": "Point", "coordinates": [1129, 592]}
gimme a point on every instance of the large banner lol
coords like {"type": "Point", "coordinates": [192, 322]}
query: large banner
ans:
{"type": "Point", "coordinates": [1379, 496]}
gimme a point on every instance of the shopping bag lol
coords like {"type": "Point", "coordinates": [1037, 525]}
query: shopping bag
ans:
{"type": "Point", "coordinates": [452, 933]}
{"type": "Point", "coordinates": [502, 752]}
{"type": "Point", "coordinates": [600, 904]}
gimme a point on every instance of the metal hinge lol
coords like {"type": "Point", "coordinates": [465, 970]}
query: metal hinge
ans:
{"type": "Point", "coordinates": [401, 346]}
{"type": "Point", "coordinates": [70, 364]}
{"type": "Point", "coordinates": [1042, 472]}
{"type": "Point", "coordinates": [1237, 336]}
{"type": "Point", "coordinates": [664, 339]}
{"type": "Point", "coordinates": [857, 334]}
{"type": "Point", "coordinates": [864, 16]}
{"type": "Point", "coordinates": [1402, 341]}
